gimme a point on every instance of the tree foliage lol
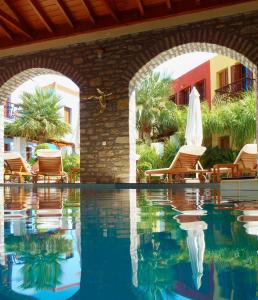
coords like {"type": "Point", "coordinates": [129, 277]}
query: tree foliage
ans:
{"type": "Point", "coordinates": [39, 117]}
{"type": "Point", "coordinates": [155, 112]}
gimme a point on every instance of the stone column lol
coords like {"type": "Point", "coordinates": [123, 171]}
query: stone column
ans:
{"type": "Point", "coordinates": [1, 143]}
{"type": "Point", "coordinates": [19, 145]}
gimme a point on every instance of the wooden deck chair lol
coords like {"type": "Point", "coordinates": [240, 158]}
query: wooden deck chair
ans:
{"type": "Point", "coordinates": [247, 159]}
{"type": "Point", "coordinates": [50, 164]}
{"type": "Point", "coordinates": [245, 163]}
{"type": "Point", "coordinates": [184, 163]}
{"type": "Point", "coordinates": [15, 166]}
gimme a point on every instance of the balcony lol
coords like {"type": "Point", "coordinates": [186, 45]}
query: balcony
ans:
{"type": "Point", "coordinates": [10, 110]}
{"type": "Point", "coordinates": [242, 85]}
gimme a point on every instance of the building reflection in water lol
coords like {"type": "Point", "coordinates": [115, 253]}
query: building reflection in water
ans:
{"type": "Point", "coordinates": [41, 253]}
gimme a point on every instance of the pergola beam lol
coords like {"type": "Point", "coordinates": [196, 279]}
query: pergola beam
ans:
{"type": "Point", "coordinates": [88, 10]}
{"type": "Point", "coordinates": [6, 31]}
{"type": "Point", "coordinates": [112, 9]}
{"type": "Point", "coordinates": [66, 13]}
{"type": "Point", "coordinates": [168, 3]}
{"type": "Point", "coordinates": [12, 22]}
{"type": "Point", "coordinates": [140, 7]}
{"type": "Point", "coordinates": [41, 15]}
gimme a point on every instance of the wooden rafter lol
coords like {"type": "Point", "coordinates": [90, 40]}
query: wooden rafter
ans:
{"type": "Point", "coordinates": [140, 7]}
{"type": "Point", "coordinates": [88, 10]}
{"type": "Point", "coordinates": [11, 21]}
{"type": "Point", "coordinates": [168, 3]}
{"type": "Point", "coordinates": [6, 31]}
{"type": "Point", "coordinates": [24, 27]}
{"type": "Point", "coordinates": [112, 9]}
{"type": "Point", "coordinates": [66, 13]}
{"type": "Point", "coordinates": [41, 15]}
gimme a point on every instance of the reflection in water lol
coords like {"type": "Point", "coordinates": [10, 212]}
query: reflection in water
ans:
{"type": "Point", "coordinates": [128, 244]}
{"type": "Point", "coordinates": [41, 257]}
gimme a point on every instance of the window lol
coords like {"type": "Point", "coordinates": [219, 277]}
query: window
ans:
{"type": "Point", "coordinates": [67, 115]}
{"type": "Point", "coordinates": [224, 142]}
{"type": "Point", "coordinates": [184, 96]}
{"type": "Point", "coordinates": [223, 78]}
{"type": "Point", "coordinates": [200, 86]}
{"type": "Point", "coordinates": [7, 147]}
{"type": "Point", "coordinates": [28, 153]}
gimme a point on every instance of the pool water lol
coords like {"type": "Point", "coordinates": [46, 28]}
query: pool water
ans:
{"type": "Point", "coordinates": [127, 244]}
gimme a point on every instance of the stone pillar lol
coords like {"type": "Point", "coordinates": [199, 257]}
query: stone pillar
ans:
{"type": "Point", "coordinates": [1, 143]}
{"type": "Point", "coordinates": [105, 154]}
{"type": "Point", "coordinates": [19, 145]}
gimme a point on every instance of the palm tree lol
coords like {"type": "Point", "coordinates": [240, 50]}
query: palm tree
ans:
{"type": "Point", "coordinates": [39, 117]}
{"type": "Point", "coordinates": [155, 112]}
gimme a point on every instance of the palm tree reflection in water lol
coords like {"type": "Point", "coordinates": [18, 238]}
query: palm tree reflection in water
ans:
{"type": "Point", "coordinates": [41, 256]}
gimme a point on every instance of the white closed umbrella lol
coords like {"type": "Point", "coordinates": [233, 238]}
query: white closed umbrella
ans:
{"type": "Point", "coordinates": [196, 248]}
{"type": "Point", "coordinates": [193, 132]}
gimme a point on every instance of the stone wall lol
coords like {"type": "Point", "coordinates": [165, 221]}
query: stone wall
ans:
{"type": "Point", "coordinates": [107, 146]}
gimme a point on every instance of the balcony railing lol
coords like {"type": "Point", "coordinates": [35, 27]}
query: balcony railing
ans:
{"type": "Point", "coordinates": [236, 87]}
{"type": "Point", "coordinates": [10, 110]}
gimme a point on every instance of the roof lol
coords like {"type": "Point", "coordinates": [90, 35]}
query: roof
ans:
{"type": "Point", "coordinates": [28, 21]}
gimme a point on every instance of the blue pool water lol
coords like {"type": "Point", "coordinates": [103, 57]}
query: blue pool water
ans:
{"type": "Point", "coordinates": [127, 244]}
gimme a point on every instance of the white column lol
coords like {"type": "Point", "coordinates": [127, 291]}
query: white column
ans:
{"type": "Point", "coordinates": [132, 136]}
{"type": "Point", "coordinates": [19, 145]}
{"type": "Point", "coordinates": [256, 95]}
{"type": "Point", "coordinates": [1, 143]}
{"type": "Point", "coordinates": [133, 236]}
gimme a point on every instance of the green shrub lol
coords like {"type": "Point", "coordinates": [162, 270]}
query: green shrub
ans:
{"type": "Point", "coordinates": [34, 158]}
{"type": "Point", "coordinates": [149, 159]}
{"type": "Point", "coordinates": [71, 161]}
{"type": "Point", "coordinates": [216, 155]}
{"type": "Point", "coordinates": [170, 150]}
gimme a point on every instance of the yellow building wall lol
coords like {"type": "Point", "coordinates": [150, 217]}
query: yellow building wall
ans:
{"type": "Point", "coordinates": [217, 64]}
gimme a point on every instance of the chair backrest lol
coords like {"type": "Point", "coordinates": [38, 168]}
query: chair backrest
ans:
{"type": "Point", "coordinates": [247, 157]}
{"type": "Point", "coordinates": [15, 162]}
{"type": "Point", "coordinates": [50, 161]}
{"type": "Point", "coordinates": [187, 157]}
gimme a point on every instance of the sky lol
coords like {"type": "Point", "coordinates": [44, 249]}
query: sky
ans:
{"type": "Point", "coordinates": [43, 80]}
{"type": "Point", "coordinates": [182, 64]}
{"type": "Point", "coordinates": [172, 68]}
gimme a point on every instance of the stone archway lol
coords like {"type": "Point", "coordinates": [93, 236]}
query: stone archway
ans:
{"type": "Point", "coordinates": [175, 51]}
{"type": "Point", "coordinates": [21, 72]}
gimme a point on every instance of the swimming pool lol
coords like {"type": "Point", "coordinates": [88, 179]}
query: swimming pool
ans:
{"type": "Point", "coordinates": [127, 244]}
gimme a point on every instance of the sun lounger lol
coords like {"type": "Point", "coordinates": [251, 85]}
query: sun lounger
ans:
{"type": "Point", "coordinates": [50, 164]}
{"type": "Point", "coordinates": [184, 163]}
{"type": "Point", "coordinates": [15, 166]}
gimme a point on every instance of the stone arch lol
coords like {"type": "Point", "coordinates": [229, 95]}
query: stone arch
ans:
{"type": "Point", "coordinates": [26, 69]}
{"type": "Point", "coordinates": [17, 73]}
{"type": "Point", "coordinates": [182, 42]}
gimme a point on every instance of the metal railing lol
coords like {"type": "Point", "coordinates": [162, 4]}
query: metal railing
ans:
{"type": "Point", "coordinates": [10, 110]}
{"type": "Point", "coordinates": [236, 87]}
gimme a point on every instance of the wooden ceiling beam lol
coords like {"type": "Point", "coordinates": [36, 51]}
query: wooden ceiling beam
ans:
{"type": "Point", "coordinates": [168, 3]}
{"type": "Point", "coordinates": [66, 13]}
{"type": "Point", "coordinates": [12, 22]}
{"type": "Point", "coordinates": [6, 31]}
{"type": "Point", "coordinates": [140, 7]}
{"type": "Point", "coordinates": [112, 9]}
{"type": "Point", "coordinates": [88, 10]}
{"type": "Point", "coordinates": [41, 15]}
